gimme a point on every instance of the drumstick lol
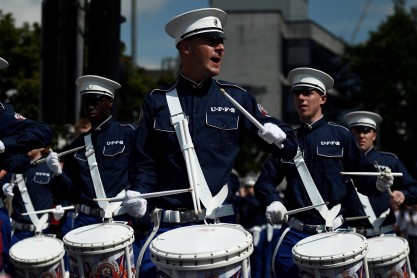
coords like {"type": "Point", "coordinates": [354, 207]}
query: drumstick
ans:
{"type": "Point", "coordinates": [247, 114]}
{"type": "Point", "coordinates": [46, 210]}
{"type": "Point", "coordinates": [369, 174]}
{"type": "Point", "coordinates": [294, 211]}
{"type": "Point", "coordinates": [147, 195]}
{"type": "Point", "coordinates": [354, 218]}
{"type": "Point", "coordinates": [39, 161]}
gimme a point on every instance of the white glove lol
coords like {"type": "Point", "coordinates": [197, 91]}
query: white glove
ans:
{"type": "Point", "coordinates": [8, 189]}
{"type": "Point", "coordinates": [272, 134]}
{"type": "Point", "coordinates": [53, 163]}
{"type": "Point", "coordinates": [275, 213]}
{"type": "Point", "coordinates": [134, 205]}
{"type": "Point", "coordinates": [58, 213]}
{"type": "Point", "coordinates": [384, 180]}
{"type": "Point", "coordinates": [2, 147]}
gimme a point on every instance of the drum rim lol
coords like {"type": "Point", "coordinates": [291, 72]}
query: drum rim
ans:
{"type": "Point", "coordinates": [39, 262]}
{"type": "Point", "coordinates": [99, 247]}
{"type": "Point", "coordinates": [389, 259]}
{"type": "Point", "coordinates": [331, 261]}
{"type": "Point", "coordinates": [207, 260]}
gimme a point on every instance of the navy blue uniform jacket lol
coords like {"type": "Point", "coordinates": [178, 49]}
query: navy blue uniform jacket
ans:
{"type": "Point", "coordinates": [216, 127]}
{"type": "Point", "coordinates": [328, 149]}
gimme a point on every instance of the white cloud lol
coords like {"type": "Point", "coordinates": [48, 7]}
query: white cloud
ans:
{"type": "Point", "coordinates": [23, 10]}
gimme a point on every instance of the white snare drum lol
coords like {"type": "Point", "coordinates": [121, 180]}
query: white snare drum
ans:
{"type": "Point", "coordinates": [388, 257]}
{"type": "Point", "coordinates": [38, 256]}
{"type": "Point", "coordinates": [217, 250]}
{"type": "Point", "coordinates": [332, 254]}
{"type": "Point", "coordinates": [101, 250]}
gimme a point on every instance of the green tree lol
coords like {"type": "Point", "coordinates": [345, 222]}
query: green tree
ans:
{"type": "Point", "coordinates": [21, 48]}
{"type": "Point", "coordinates": [386, 65]}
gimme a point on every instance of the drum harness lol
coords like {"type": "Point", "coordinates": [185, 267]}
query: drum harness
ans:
{"type": "Point", "coordinates": [330, 216]}
{"type": "Point", "coordinates": [201, 191]}
{"type": "Point", "coordinates": [375, 221]}
{"type": "Point", "coordinates": [107, 209]}
{"type": "Point", "coordinates": [38, 224]}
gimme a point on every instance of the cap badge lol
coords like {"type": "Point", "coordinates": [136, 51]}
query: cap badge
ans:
{"type": "Point", "coordinates": [215, 22]}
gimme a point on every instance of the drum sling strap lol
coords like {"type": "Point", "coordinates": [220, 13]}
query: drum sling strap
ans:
{"type": "Point", "coordinates": [29, 206]}
{"type": "Point", "coordinates": [375, 221]}
{"type": "Point", "coordinates": [313, 193]}
{"type": "Point", "coordinates": [201, 191]}
{"type": "Point", "coordinates": [315, 197]}
{"type": "Point", "coordinates": [156, 219]}
{"type": "Point", "coordinates": [108, 208]}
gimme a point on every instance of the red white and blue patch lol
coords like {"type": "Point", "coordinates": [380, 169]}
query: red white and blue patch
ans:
{"type": "Point", "coordinates": [263, 111]}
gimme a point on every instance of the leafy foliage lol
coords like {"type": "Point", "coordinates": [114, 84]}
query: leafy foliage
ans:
{"type": "Point", "coordinates": [387, 69]}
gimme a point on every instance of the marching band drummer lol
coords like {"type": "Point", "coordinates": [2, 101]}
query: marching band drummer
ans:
{"type": "Point", "coordinates": [313, 176]}
{"type": "Point", "coordinates": [39, 194]}
{"type": "Point", "coordinates": [380, 208]}
{"type": "Point", "coordinates": [99, 170]}
{"type": "Point", "coordinates": [33, 190]}
{"type": "Point", "coordinates": [18, 135]}
{"type": "Point", "coordinates": [215, 126]}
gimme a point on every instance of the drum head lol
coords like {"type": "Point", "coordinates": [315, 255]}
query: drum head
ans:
{"type": "Point", "coordinates": [387, 249]}
{"type": "Point", "coordinates": [103, 236]}
{"type": "Point", "coordinates": [332, 248]}
{"type": "Point", "coordinates": [198, 245]}
{"type": "Point", "coordinates": [37, 251]}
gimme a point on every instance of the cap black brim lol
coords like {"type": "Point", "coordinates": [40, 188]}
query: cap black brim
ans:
{"type": "Point", "coordinates": [214, 35]}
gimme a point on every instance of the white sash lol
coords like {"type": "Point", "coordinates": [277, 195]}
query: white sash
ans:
{"type": "Point", "coordinates": [26, 198]}
{"type": "Point", "coordinates": [314, 194]}
{"type": "Point", "coordinates": [95, 174]}
{"type": "Point", "coordinates": [195, 174]}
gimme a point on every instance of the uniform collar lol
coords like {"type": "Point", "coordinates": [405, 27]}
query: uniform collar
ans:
{"type": "Point", "coordinates": [314, 125]}
{"type": "Point", "coordinates": [102, 126]}
{"type": "Point", "coordinates": [369, 151]}
{"type": "Point", "coordinates": [186, 83]}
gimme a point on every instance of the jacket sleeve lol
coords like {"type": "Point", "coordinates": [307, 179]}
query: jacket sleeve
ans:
{"type": "Point", "coordinates": [271, 176]}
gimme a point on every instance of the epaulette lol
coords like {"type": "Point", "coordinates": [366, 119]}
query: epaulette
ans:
{"type": "Point", "coordinates": [390, 154]}
{"type": "Point", "coordinates": [337, 125]}
{"type": "Point", "coordinates": [164, 90]}
{"type": "Point", "coordinates": [223, 83]}
{"type": "Point", "coordinates": [132, 126]}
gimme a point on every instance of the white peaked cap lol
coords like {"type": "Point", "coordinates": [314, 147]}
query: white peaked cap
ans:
{"type": "Point", "coordinates": [207, 22]}
{"type": "Point", "coordinates": [3, 63]}
{"type": "Point", "coordinates": [93, 84]}
{"type": "Point", "coordinates": [362, 118]}
{"type": "Point", "coordinates": [308, 77]}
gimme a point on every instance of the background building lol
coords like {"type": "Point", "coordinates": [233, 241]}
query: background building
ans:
{"type": "Point", "coordinates": [268, 38]}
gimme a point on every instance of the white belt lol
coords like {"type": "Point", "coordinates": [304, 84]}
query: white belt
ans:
{"type": "Point", "coordinates": [372, 232]}
{"type": "Point", "coordinates": [313, 229]}
{"type": "Point", "coordinates": [97, 212]}
{"type": "Point", "coordinates": [383, 230]}
{"type": "Point", "coordinates": [187, 216]}
{"type": "Point", "coordinates": [26, 227]}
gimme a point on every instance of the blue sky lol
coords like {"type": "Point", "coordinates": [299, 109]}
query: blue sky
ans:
{"type": "Point", "coordinates": [340, 17]}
